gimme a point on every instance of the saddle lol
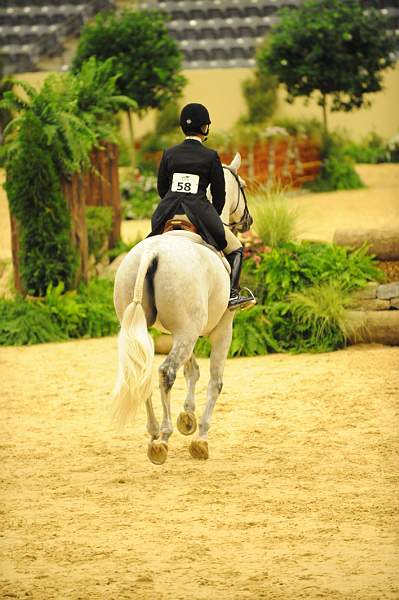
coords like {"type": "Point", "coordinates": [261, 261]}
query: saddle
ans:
{"type": "Point", "coordinates": [179, 224]}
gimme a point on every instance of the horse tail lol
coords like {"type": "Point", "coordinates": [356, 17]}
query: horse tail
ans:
{"type": "Point", "coordinates": [134, 383]}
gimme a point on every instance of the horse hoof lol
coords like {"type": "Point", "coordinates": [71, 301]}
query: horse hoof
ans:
{"type": "Point", "coordinates": [157, 452]}
{"type": "Point", "coordinates": [199, 449]}
{"type": "Point", "coordinates": [186, 423]}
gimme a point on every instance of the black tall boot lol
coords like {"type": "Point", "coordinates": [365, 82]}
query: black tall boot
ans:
{"type": "Point", "coordinates": [235, 259]}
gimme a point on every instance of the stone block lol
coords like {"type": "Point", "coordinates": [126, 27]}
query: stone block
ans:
{"type": "Point", "coordinates": [384, 242]}
{"type": "Point", "coordinates": [368, 292]}
{"type": "Point", "coordinates": [387, 291]}
{"type": "Point", "coordinates": [395, 303]}
{"type": "Point", "coordinates": [380, 327]}
{"type": "Point", "coordinates": [371, 304]}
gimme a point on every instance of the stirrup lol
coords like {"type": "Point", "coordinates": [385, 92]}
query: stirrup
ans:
{"type": "Point", "coordinates": [243, 302]}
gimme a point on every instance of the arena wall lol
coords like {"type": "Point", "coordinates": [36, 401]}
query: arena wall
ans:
{"type": "Point", "coordinates": [220, 90]}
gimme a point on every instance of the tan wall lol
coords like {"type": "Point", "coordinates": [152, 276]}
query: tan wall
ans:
{"type": "Point", "coordinates": [220, 91]}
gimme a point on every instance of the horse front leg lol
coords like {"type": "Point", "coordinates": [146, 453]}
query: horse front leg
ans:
{"type": "Point", "coordinates": [220, 339]}
{"type": "Point", "coordinates": [180, 353]}
{"type": "Point", "coordinates": [186, 421]}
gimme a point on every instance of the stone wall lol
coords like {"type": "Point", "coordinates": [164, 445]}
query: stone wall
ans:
{"type": "Point", "coordinates": [375, 314]}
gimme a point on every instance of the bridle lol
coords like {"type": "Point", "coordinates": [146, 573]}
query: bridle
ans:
{"type": "Point", "coordinates": [245, 215]}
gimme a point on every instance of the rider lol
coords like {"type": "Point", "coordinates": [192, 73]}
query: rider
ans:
{"type": "Point", "coordinates": [184, 174]}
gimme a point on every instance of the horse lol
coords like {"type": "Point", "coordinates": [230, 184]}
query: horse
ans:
{"type": "Point", "coordinates": [179, 287]}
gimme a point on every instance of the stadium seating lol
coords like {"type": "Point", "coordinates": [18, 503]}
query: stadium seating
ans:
{"type": "Point", "coordinates": [225, 33]}
{"type": "Point", "coordinates": [33, 29]}
{"type": "Point", "coordinates": [211, 33]}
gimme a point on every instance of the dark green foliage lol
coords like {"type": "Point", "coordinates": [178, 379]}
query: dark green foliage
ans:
{"type": "Point", "coordinates": [6, 85]}
{"type": "Point", "coordinates": [87, 312]}
{"type": "Point", "coordinates": [168, 119]}
{"type": "Point", "coordinates": [35, 199]}
{"type": "Point", "coordinates": [51, 137]}
{"type": "Point", "coordinates": [294, 266]}
{"type": "Point", "coordinates": [337, 170]}
{"type": "Point", "coordinates": [298, 267]}
{"type": "Point", "coordinates": [99, 226]}
{"type": "Point", "coordinates": [332, 48]}
{"type": "Point", "coordinates": [260, 93]}
{"type": "Point", "coordinates": [23, 323]}
{"type": "Point", "coordinates": [372, 149]}
{"type": "Point", "coordinates": [139, 198]}
{"type": "Point", "coordinates": [303, 290]}
{"type": "Point", "coordinates": [147, 58]}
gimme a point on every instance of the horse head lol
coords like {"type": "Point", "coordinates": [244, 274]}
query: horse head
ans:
{"type": "Point", "coordinates": [235, 213]}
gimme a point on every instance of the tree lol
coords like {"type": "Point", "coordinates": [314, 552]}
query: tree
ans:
{"type": "Point", "coordinates": [144, 54]}
{"type": "Point", "coordinates": [6, 85]}
{"type": "Point", "coordinates": [332, 48]}
{"type": "Point", "coordinates": [260, 93]}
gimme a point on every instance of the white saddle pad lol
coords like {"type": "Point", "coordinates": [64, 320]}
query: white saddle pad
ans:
{"type": "Point", "coordinates": [194, 237]}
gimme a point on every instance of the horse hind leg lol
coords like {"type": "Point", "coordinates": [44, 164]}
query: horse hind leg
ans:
{"type": "Point", "coordinates": [181, 351]}
{"type": "Point", "coordinates": [221, 340]}
{"type": "Point", "coordinates": [186, 421]}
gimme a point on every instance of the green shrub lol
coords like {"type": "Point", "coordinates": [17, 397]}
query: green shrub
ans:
{"type": "Point", "coordinates": [303, 290]}
{"type": "Point", "coordinates": [338, 169]}
{"type": "Point", "coordinates": [99, 226]}
{"type": "Point", "coordinates": [35, 198]}
{"type": "Point", "coordinates": [139, 197]}
{"type": "Point", "coordinates": [312, 128]}
{"type": "Point", "coordinates": [372, 149]}
{"type": "Point", "coordinates": [293, 266]}
{"type": "Point", "coordinates": [86, 312]}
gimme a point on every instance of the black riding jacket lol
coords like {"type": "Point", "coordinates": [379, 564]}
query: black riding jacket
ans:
{"type": "Point", "coordinates": [191, 166]}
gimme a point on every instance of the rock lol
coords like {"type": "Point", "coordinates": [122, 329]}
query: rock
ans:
{"type": "Point", "coordinates": [384, 243]}
{"type": "Point", "coordinates": [375, 326]}
{"type": "Point", "coordinates": [371, 304]}
{"type": "Point", "coordinates": [395, 303]}
{"type": "Point", "coordinates": [388, 291]}
{"type": "Point", "coordinates": [368, 292]}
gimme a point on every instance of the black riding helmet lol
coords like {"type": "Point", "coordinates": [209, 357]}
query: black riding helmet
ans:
{"type": "Point", "coordinates": [193, 117]}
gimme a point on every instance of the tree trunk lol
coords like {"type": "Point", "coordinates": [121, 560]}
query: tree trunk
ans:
{"type": "Point", "coordinates": [324, 106]}
{"type": "Point", "coordinates": [131, 133]}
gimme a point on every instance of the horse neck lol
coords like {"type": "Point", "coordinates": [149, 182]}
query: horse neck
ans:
{"type": "Point", "coordinates": [225, 216]}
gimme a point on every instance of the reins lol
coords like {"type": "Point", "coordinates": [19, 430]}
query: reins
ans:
{"type": "Point", "coordinates": [240, 190]}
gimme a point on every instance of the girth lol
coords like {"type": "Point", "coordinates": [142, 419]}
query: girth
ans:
{"type": "Point", "coordinates": [174, 224]}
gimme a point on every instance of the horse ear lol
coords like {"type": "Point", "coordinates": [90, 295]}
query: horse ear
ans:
{"type": "Point", "coordinates": [236, 162]}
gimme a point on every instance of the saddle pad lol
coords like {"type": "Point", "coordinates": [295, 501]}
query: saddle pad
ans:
{"type": "Point", "coordinates": [195, 237]}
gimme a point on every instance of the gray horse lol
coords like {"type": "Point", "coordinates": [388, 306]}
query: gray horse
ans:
{"type": "Point", "coordinates": [182, 288]}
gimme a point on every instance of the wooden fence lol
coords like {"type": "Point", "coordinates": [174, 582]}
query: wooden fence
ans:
{"type": "Point", "coordinates": [99, 186]}
{"type": "Point", "coordinates": [290, 161]}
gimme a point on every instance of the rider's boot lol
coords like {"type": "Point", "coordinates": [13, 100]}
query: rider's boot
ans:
{"type": "Point", "coordinates": [235, 259]}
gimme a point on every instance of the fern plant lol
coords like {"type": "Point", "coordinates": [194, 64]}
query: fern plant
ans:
{"type": "Point", "coordinates": [51, 136]}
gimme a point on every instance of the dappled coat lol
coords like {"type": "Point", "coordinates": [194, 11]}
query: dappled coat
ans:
{"type": "Point", "coordinates": [184, 174]}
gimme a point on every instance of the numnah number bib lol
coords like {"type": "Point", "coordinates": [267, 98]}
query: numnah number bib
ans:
{"type": "Point", "coordinates": [185, 182]}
